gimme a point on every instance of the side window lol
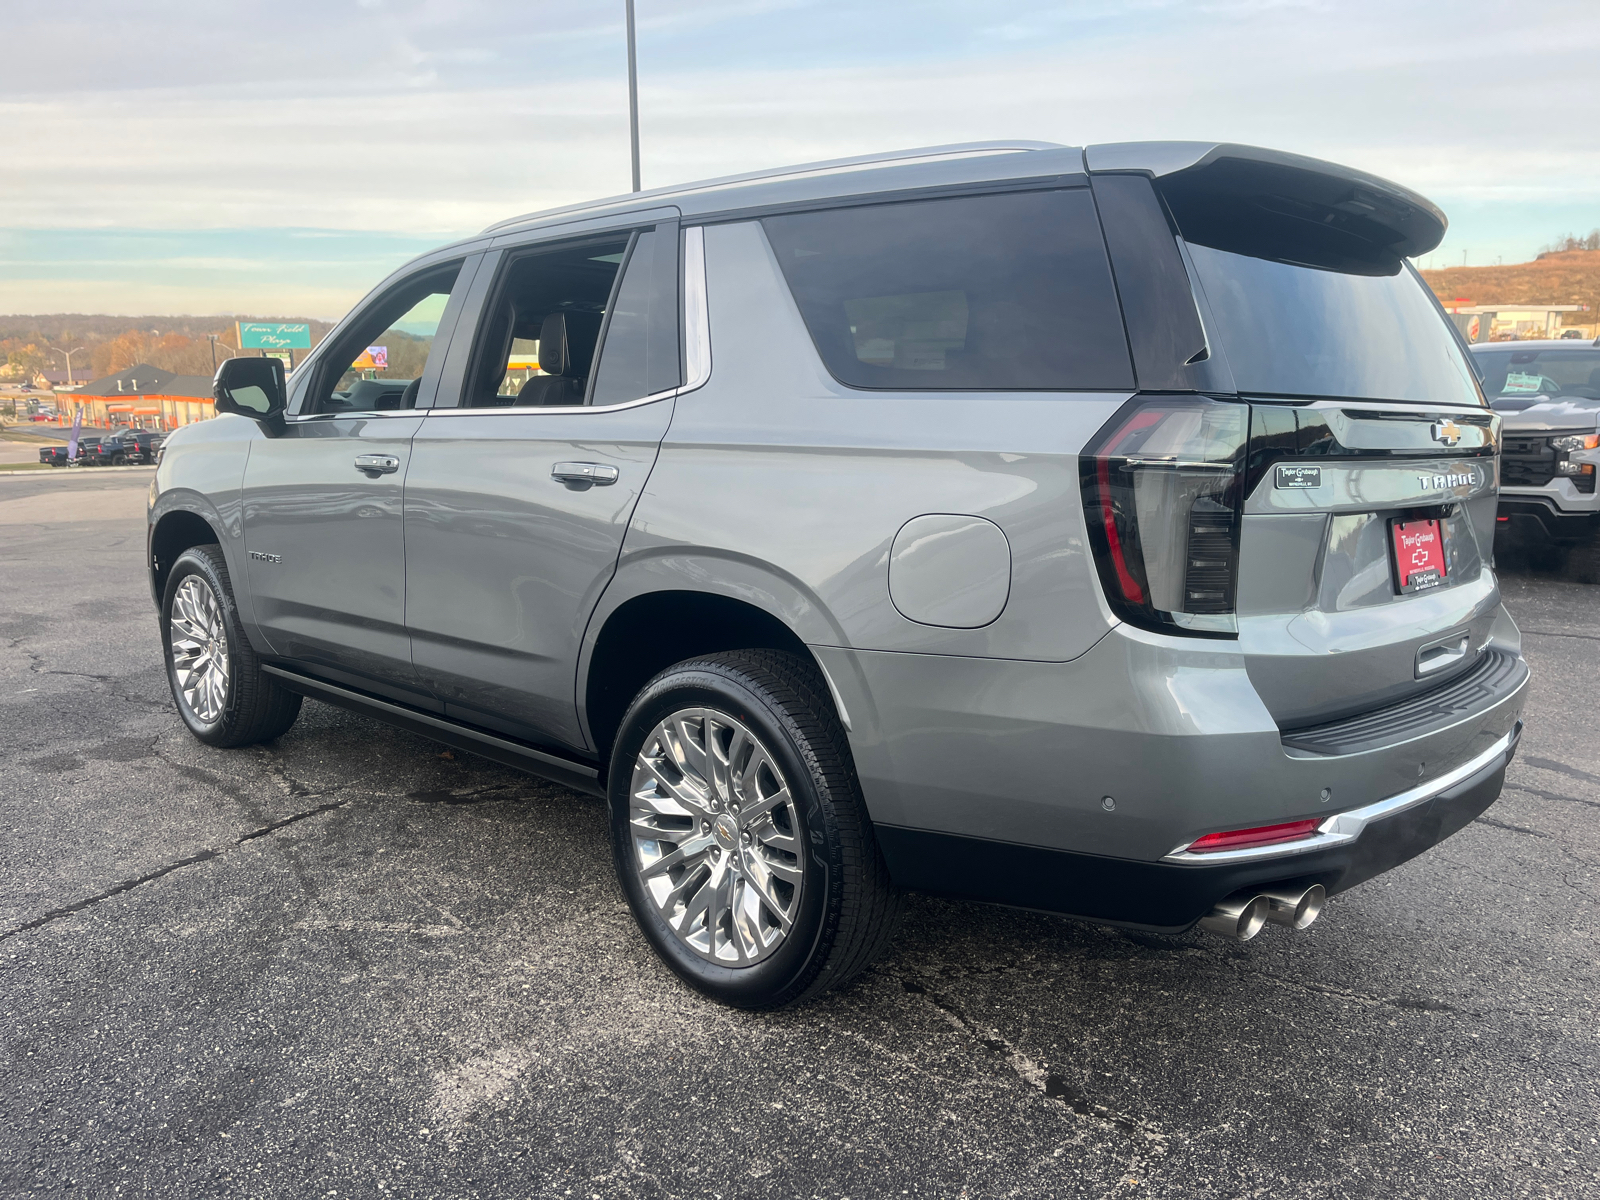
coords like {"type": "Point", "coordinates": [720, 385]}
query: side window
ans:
{"type": "Point", "coordinates": [997, 292]}
{"type": "Point", "coordinates": [640, 355]}
{"type": "Point", "coordinates": [378, 364]}
{"type": "Point", "coordinates": [537, 336]}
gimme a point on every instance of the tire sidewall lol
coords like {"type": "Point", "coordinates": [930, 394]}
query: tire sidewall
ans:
{"type": "Point", "coordinates": [199, 562]}
{"type": "Point", "coordinates": [787, 972]}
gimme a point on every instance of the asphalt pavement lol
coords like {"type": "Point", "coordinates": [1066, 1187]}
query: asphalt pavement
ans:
{"type": "Point", "coordinates": [351, 964]}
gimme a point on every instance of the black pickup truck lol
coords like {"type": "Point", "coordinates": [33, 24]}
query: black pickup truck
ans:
{"type": "Point", "coordinates": [129, 447]}
{"type": "Point", "coordinates": [56, 456]}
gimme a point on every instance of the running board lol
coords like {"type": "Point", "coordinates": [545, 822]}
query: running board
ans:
{"type": "Point", "coordinates": [576, 775]}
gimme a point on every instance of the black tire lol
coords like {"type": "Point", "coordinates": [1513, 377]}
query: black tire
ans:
{"type": "Point", "coordinates": [847, 908]}
{"type": "Point", "coordinates": [119, 460]}
{"type": "Point", "coordinates": [254, 709]}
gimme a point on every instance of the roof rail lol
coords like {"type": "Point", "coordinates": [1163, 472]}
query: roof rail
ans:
{"type": "Point", "coordinates": [920, 153]}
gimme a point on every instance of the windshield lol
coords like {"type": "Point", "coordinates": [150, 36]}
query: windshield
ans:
{"type": "Point", "coordinates": [1291, 330]}
{"type": "Point", "coordinates": [1514, 379]}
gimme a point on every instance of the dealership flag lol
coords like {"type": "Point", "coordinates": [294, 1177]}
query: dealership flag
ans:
{"type": "Point", "coordinates": [72, 440]}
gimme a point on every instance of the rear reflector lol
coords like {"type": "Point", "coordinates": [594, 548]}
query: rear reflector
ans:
{"type": "Point", "coordinates": [1262, 835]}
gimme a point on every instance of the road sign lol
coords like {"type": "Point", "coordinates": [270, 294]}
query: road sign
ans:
{"type": "Point", "coordinates": [257, 336]}
{"type": "Point", "coordinates": [373, 358]}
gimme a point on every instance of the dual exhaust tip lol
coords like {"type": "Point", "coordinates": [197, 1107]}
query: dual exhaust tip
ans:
{"type": "Point", "coordinates": [1242, 915]}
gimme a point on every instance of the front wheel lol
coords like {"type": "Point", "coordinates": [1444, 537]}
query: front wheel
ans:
{"type": "Point", "coordinates": [740, 836]}
{"type": "Point", "coordinates": [223, 695]}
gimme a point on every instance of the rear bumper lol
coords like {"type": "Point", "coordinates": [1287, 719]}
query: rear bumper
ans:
{"type": "Point", "coordinates": [1171, 897]}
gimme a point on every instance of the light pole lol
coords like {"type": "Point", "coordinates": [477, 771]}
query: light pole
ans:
{"type": "Point", "coordinates": [67, 354]}
{"type": "Point", "coordinates": [633, 98]}
{"type": "Point", "coordinates": [212, 338]}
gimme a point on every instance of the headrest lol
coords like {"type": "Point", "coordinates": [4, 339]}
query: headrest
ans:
{"type": "Point", "coordinates": [566, 343]}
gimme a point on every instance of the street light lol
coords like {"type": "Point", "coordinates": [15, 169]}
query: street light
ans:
{"type": "Point", "coordinates": [212, 338]}
{"type": "Point", "coordinates": [633, 99]}
{"type": "Point", "coordinates": [67, 354]}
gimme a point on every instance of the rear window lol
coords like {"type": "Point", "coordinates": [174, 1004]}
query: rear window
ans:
{"type": "Point", "coordinates": [1001, 292]}
{"type": "Point", "coordinates": [1512, 374]}
{"type": "Point", "coordinates": [1288, 329]}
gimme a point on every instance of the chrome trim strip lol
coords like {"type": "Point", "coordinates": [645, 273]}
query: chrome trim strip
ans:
{"type": "Point", "coordinates": [696, 310]}
{"type": "Point", "coordinates": [1343, 828]}
{"type": "Point", "coordinates": [356, 414]}
{"type": "Point", "coordinates": [525, 410]}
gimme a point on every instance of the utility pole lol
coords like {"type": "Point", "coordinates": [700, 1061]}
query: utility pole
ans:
{"type": "Point", "coordinates": [67, 354]}
{"type": "Point", "coordinates": [633, 98]}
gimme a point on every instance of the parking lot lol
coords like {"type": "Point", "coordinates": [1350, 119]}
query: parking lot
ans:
{"type": "Point", "coordinates": [352, 964]}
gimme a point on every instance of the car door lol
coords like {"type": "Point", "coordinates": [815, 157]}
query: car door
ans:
{"type": "Point", "coordinates": [525, 474]}
{"type": "Point", "coordinates": [323, 517]}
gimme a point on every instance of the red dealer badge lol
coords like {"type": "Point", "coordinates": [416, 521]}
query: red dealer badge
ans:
{"type": "Point", "coordinates": [1418, 554]}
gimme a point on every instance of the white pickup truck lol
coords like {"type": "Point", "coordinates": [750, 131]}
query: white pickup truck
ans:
{"type": "Point", "coordinates": [1548, 396]}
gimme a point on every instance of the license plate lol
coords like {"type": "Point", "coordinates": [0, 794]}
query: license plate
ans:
{"type": "Point", "coordinates": [1418, 554]}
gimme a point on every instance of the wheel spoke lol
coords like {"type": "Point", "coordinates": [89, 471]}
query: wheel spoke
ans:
{"type": "Point", "coordinates": [729, 887]}
{"type": "Point", "coordinates": [684, 853]}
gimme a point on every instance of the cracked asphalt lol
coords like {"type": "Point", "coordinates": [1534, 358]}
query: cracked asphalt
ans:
{"type": "Point", "coordinates": [350, 964]}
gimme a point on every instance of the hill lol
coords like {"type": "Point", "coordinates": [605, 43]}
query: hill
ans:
{"type": "Point", "coordinates": [1556, 277]}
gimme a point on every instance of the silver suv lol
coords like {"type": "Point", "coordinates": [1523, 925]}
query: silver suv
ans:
{"type": "Point", "coordinates": [1548, 396]}
{"type": "Point", "coordinates": [1100, 531]}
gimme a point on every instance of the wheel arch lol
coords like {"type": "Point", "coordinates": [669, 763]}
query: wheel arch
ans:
{"type": "Point", "coordinates": [672, 610]}
{"type": "Point", "coordinates": [171, 533]}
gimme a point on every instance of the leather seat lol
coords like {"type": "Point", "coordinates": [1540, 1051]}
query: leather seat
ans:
{"type": "Point", "coordinates": [566, 349]}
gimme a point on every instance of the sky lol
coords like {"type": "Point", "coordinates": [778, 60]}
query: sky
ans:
{"type": "Point", "coordinates": [180, 156]}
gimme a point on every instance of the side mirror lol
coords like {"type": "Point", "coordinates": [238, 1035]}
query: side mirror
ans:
{"type": "Point", "coordinates": [252, 387]}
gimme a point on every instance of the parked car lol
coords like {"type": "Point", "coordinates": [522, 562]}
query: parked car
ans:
{"type": "Point", "coordinates": [1548, 395]}
{"type": "Point", "coordinates": [56, 456]}
{"type": "Point", "coordinates": [1104, 532]}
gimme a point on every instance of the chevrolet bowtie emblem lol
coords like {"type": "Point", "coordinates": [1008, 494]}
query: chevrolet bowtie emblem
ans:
{"type": "Point", "coordinates": [1446, 431]}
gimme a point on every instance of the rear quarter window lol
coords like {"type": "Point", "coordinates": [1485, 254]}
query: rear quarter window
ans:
{"type": "Point", "coordinates": [1008, 292]}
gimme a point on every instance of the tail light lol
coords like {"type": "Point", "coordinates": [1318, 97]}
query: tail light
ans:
{"type": "Point", "coordinates": [1163, 494]}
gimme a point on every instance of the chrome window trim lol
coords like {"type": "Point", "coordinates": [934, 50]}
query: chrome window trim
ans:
{"type": "Point", "coordinates": [301, 418]}
{"type": "Point", "coordinates": [696, 310]}
{"type": "Point", "coordinates": [525, 410]}
{"type": "Point", "coordinates": [1343, 828]}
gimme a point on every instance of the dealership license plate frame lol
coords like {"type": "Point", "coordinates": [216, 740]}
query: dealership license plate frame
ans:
{"type": "Point", "coordinates": [1422, 578]}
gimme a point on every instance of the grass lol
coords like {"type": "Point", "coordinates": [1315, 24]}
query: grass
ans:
{"type": "Point", "coordinates": [4, 467]}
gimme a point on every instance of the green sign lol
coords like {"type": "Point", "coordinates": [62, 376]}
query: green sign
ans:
{"type": "Point", "coordinates": [274, 337]}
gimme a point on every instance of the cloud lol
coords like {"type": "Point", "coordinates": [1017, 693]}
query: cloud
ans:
{"type": "Point", "coordinates": [436, 117]}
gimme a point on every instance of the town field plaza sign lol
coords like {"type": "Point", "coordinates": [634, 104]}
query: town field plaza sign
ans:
{"type": "Point", "coordinates": [257, 336]}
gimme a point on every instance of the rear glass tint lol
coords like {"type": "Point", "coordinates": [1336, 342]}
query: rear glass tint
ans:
{"type": "Point", "coordinates": [1292, 330]}
{"type": "Point", "coordinates": [1003, 292]}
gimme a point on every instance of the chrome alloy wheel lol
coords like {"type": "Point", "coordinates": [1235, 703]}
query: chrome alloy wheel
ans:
{"type": "Point", "coordinates": [715, 838]}
{"type": "Point", "coordinates": [199, 649]}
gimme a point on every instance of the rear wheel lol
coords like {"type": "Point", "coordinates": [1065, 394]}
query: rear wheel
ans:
{"type": "Point", "coordinates": [222, 694]}
{"type": "Point", "coordinates": [119, 460]}
{"type": "Point", "coordinates": [740, 837]}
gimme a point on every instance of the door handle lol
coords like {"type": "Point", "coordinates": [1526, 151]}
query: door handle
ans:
{"type": "Point", "coordinates": [378, 464]}
{"type": "Point", "coordinates": [579, 475]}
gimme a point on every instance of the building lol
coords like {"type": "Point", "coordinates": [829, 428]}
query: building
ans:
{"type": "Point", "coordinates": [1516, 322]}
{"type": "Point", "coordinates": [144, 396]}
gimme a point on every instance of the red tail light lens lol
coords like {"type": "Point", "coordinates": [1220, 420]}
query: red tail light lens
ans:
{"type": "Point", "coordinates": [1163, 494]}
{"type": "Point", "coordinates": [1262, 835]}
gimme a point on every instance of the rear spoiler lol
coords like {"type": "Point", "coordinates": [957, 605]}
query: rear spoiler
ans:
{"type": "Point", "coordinates": [1278, 205]}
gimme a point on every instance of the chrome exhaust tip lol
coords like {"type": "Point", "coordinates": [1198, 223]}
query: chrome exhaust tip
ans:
{"type": "Point", "coordinates": [1295, 907]}
{"type": "Point", "coordinates": [1239, 917]}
